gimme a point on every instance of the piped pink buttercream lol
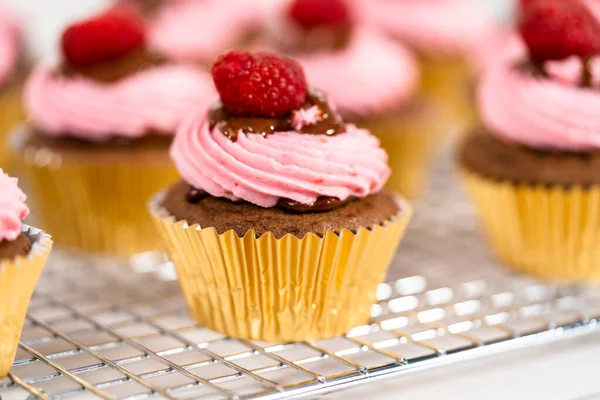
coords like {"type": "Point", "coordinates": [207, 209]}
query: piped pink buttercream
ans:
{"type": "Point", "coordinates": [153, 100]}
{"type": "Point", "coordinates": [199, 30]}
{"type": "Point", "coordinates": [436, 28]}
{"type": "Point", "coordinates": [10, 43]}
{"type": "Point", "coordinates": [291, 165]}
{"type": "Point", "coordinates": [12, 207]}
{"type": "Point", "coordinates": [543, 113]}
{"type": "Point", "coordinates": [370, 75]}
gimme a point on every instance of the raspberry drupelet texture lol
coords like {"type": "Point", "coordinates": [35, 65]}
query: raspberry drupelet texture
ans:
{"type": "Point", "coordinates": [106, 37]}
{"type": "Point", "coordinates": [557, 29]}
{"type": "Point", "coordinates": [320, 13]}
{"type": "Point", "coordinates": [259, 84]}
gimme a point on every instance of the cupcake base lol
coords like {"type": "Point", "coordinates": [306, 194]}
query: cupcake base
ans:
{"type": "Point", "coordinates": [291, 288]}
{"type": "Point", "coordinates": [18, 278]}
{"type": "Point", "coordinates": [93, 196]}
{"type": "Point", "coordinates": [540, 210]}
{"type": "Point", "coordinates": [11, 114]}
{"type": "Point", "coordinates": [410, 135]}
{"type": "Point", "coordinates": [9, 250]}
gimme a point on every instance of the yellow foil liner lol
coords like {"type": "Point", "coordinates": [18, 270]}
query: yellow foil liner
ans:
{"type": "Point", "coordinates": [411, 142]}
{"type": "Point", "coordinates": [450, 85]}
{"type": "Point", "coordinates": [11, 114]}
{"type": "Point", "coordinates": [549, 232]}
{"type": "Point", "coordinates": [94, 207]}
{"type": "Point", "coordinates": [17, 282]}
{"type": "Point", "coordinates": [284, 289]}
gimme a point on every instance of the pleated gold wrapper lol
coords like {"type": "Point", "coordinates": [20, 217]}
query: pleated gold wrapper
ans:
{"type": "Point", "coordinates": [18, 279]}
{"type": "Point", "coordinates": [449, 84]}
{"type": "Point", "coordinates": [287, 289]}
{"type": "Point", "coordinates": [549, 232]}
{"type": "Point", "coordinates": [411, 142]}
{"type": "Point", "coordinates": [11, 114]}
{"type": "Point", "coordinates": [95, 207]}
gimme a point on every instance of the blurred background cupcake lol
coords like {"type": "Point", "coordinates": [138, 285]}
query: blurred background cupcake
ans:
{"type": "Point", "coordinates": [443, 33]}
{"type": "Point", "coordinates": [199, 30]}
{"type": "Point", "coordinates": [372, 79]}
{"type": "Point", "coordinates": [534, 170]}
{"type": "Point", "coordinates": [101, 122]}
{"type": "Point", "coordinates": [280, 229]}
{"type": "Point", "coordinates": [23, 254]}
{"type": "Point", "coordinates": [12, 74]}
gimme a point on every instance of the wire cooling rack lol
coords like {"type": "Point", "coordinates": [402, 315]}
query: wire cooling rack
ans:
{"type": "Point", "coordinates": [108, 332]}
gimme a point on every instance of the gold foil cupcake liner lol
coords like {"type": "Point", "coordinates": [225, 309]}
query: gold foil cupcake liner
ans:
{"type": "Point", "coordinates": [549, 232]}
{"type": "Point", "coordinates": [18, 279]}
{"type": "Point", "coordinates": [97, 208]}
{"type": "Point", "coordinates": [11, 114]}
{"type": "Point", "coordinates": [411, 143]}
{"type": "Point", "coordinates": [450, 85]}
{"type": "Point", "coordinates": [287, 289]}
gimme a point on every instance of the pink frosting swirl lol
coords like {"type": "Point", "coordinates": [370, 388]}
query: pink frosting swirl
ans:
{"type": "Point", "coordinates": [199, 30]}
{"type": "Point", "coordinates": [10, 47]}
{"type": "Point", "coordinates": [291, 165]}
{"type": "Point", "coordinates": [540, 112]}
{"type": "Point", "coordinates": [12, 207]}
{"type": "Point", "coordinates": [153, 100]}
{"type": "Point", "coordinates": [436, 28]}
{"type": "Point", "coordinates": [370, 75]}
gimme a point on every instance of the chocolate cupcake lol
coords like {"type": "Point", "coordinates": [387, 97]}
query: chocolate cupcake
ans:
{"type": "Point", "coordinates": [101, 123]}
{"type": "Point", "coordinates": [533, 170]}
{"type": "Point", "coordinates": [279, 229]}
{"type": "Point", "coordinates": [23, 253]}
{"type": "Point", "coordinates": [372, 79]}
{"type": "Point", "coordinates": [11, 82]}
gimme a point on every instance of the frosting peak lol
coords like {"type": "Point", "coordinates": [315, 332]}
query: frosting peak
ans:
{"type": "Point", "coordinates": [288, 165]}
{"type": "Point", "coordinates": [12, 207]}
{"type": "Point", "coordinates": [548, 113]}
{"type": "Point", "coordinates": [152, 100]}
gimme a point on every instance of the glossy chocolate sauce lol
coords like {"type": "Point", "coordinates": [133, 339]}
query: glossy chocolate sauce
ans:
{"type": "Point", "coordinates": [330, 124]}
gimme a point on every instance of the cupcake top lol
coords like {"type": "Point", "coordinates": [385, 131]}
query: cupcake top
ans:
{"type": "Point", "coordinates": [12, 208]}
{"type": "Point", "coordinates": [549, 101]}
{"type": "Point", "coordinates": [435, 28]}
{"type": "Point", "coordinates": [273, 142]}
{"type": "Point", "coordinates": [108, 85]}
{"type": "Point", "coordinates": [10, 48]}
{"type": "Point", "coordinates": [363, 71]}
{"type": "Point", "coordinates": [200, 30]}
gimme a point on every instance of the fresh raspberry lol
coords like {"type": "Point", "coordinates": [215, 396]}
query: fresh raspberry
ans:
{"type": "Point", "coordinates": [557, 29]}
{"type": "Point", "coordinates": [317, 13]}
{"type": "Point", "coordinates": [260, 84]}
{"type": "Point", "coordinates": [105, 37]}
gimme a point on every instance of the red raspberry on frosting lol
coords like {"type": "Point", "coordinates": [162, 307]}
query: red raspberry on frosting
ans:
{"type": "Point", "coordinates": [260, 84]}
{"type": "Point", "coordinates": [317, 13]}
{"type": "Point", "coordinates": [557, 29]}
{"type": "Point", "coordinates": [105, 37]}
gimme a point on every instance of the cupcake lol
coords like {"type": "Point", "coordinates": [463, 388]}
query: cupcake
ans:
{"type": "Point", "coordinates": [372, 80]}
{"type": "Point", "coordinates": [23, 253]}
{"type": "Point", "coordinates": [101, 123]}
{"type": "Point", "coordinates": [533, 171]}
{"type": "Point", "coordinates": [279, 229]}
{"type": "Point", "coordinates": [11, 79]}
{"type": "Point", "coordinates": [442, 33]}
{"type": "Point", "coordinates": [198, 31]}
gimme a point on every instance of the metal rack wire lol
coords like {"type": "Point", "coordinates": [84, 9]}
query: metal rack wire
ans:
{"type": "Point", "coordinates": [107, 332]}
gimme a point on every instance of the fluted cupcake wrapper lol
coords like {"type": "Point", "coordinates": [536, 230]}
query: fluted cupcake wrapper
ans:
{"type": "Point", "coordinates": [411, 144]}
{"type": "Point", "coordinates": [11, 114]}
{"type": "Point", "coordinates": [286, 289]}
{"type": "Point", "coordinates": [93, 207]}
{"type": "Point", "coordinates": [17, 282]}
{"type": "Point", "coordinates": [552, 232]}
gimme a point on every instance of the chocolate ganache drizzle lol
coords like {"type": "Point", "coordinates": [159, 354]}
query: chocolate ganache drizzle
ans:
{"type": "Point", "coordinates": [330, 123]}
